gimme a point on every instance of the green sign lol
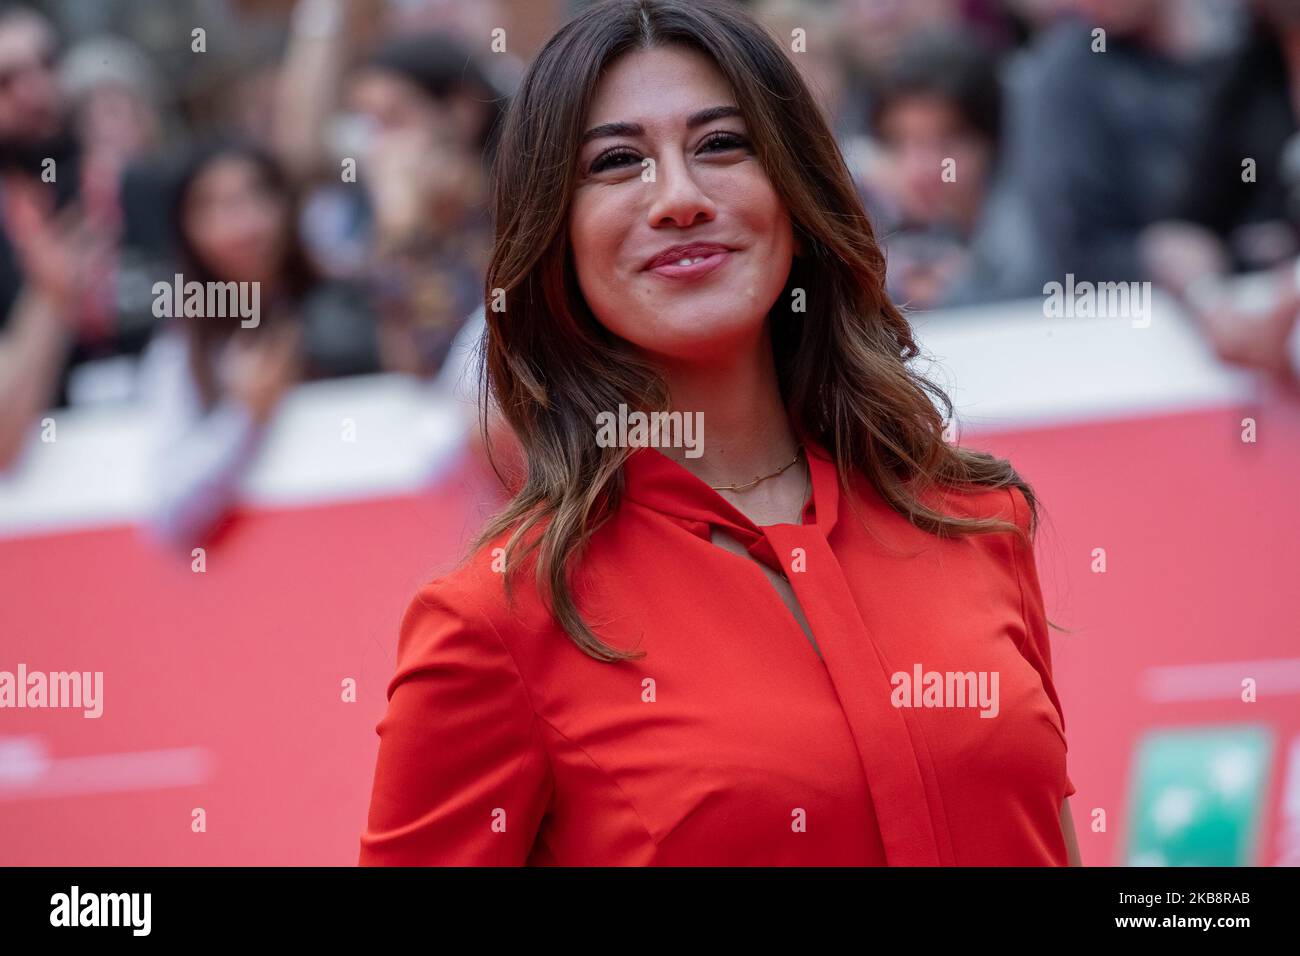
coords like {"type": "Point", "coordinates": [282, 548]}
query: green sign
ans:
{"type": "Point", "coordinates": [1198, 795]}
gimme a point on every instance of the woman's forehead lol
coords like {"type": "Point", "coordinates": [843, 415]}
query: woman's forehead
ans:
{"type": "Point", "coordinates": [663, 84]}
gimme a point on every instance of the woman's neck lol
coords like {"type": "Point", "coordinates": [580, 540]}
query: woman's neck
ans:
{"type": "Point", "coordinates": [746, 431]}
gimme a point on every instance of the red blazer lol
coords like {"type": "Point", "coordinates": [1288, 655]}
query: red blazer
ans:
{"type": "Point", "coordinates": [732, 742]}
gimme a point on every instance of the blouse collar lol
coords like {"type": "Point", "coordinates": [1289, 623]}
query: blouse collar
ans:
{"type": "Point", "coordinates": [656, 481]}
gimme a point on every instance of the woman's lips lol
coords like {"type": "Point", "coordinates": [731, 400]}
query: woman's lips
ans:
{"type": "Point", "coordinates": [706, 265]}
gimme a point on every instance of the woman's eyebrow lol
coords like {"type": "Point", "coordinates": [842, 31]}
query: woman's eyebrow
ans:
{"type": "Point", "coordinates": [636, 129]}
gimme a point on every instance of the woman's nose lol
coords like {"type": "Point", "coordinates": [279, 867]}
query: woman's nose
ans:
{"type": "Point", "coordinates": [677, 199]}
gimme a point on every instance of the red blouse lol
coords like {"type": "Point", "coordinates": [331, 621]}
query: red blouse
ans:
{"type": "Point", "coordinates": [732, 742]}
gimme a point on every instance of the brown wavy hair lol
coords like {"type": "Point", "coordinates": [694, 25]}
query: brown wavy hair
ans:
{"type": "Point", "coordinates": [550, 366]}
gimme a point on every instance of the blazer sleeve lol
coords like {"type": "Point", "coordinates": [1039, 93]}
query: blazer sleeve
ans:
{"type": "Point", "coordinates": [1037, 647]}
{"type": "Point", "coordinates": [462, 777]}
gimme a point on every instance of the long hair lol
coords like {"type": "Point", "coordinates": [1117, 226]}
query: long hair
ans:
{"type": "Point", "coordinates": [551, 366]}
{"type": "Point", "coordinates": [297, 274]}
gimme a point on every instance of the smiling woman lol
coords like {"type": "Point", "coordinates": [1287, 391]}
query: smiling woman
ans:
{"type": "Point", "coordinates": [651, 657]}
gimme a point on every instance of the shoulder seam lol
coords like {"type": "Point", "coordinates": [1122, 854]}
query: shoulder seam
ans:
{"type": "Point", "coordinates": [519, 674]}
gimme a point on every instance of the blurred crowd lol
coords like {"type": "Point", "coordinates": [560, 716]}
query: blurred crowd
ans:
{"type": "Point", "coordinates": [336, 152]}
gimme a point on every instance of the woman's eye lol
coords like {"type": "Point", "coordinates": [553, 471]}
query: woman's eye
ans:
{"type": "Point", "coordinates": [621, 157]}
{"type": "Point", "coordinates": [724, 141]}
{"type": "Point", "coordinates": [612, 159]}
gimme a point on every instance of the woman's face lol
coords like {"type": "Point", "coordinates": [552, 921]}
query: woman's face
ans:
{"type": "Point", "coordinates": [705, 186]}
{"type": "Point", "coordinates": [236, 223]}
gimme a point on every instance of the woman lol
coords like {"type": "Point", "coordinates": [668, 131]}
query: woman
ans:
{"type": "Point", "coordinates": [658, 657]}
{"type": "Point", "coordinates": [215, 382]}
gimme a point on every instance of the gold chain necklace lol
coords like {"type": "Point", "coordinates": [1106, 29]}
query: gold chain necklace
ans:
{"type": "Point", "coordinates": [758, 478]}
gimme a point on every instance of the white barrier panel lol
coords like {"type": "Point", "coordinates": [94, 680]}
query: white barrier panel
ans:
{"type": "Point", "coordinates": [1006, 365]}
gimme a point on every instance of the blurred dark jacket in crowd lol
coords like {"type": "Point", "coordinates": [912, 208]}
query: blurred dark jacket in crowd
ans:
{"type": "Point", "coordinates": [1251, 118]}
{"type": "Point", "coordinates": [1102, 144]}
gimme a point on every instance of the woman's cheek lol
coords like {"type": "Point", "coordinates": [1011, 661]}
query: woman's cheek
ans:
{"type": "Point", "coordinates": [745, 190]}
{"type": "Point", "coordinates": [596, 247]}
{"type": "Point", "coordinates": [597, 226]}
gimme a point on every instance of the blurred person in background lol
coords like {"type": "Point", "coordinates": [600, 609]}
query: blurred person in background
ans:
{"type": "Point", "coordinates": [214, 385]}
{"type": "Point", "coordinates": [955, 229]}
{"type": "Point", "coordinates": [471, 23]}
{"type": "Point", "coordinates": [120, 119]}
{"type": "Point", "coordinates": [1101, 140]}
{"type": "Point", "coordinates": [37, 316]}
{"type": "Point", "coordinates": [111, 90]}
{"type": "Point", "coordinates": [76, 186]}
{"type": "Point", "coordinates": [428, 114]}
{"type": "Point", "coordinates": [870, 34]}
{"type": "Point", "coordinates": [415, 120]}
{"type": "Point", "coordinates": [1241, 211]}
{"type": "Point", "coordinates": [820, 62]}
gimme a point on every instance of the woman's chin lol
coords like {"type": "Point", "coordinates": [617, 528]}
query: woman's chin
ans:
{"type": "Point", "coordinates": [704, 342]}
